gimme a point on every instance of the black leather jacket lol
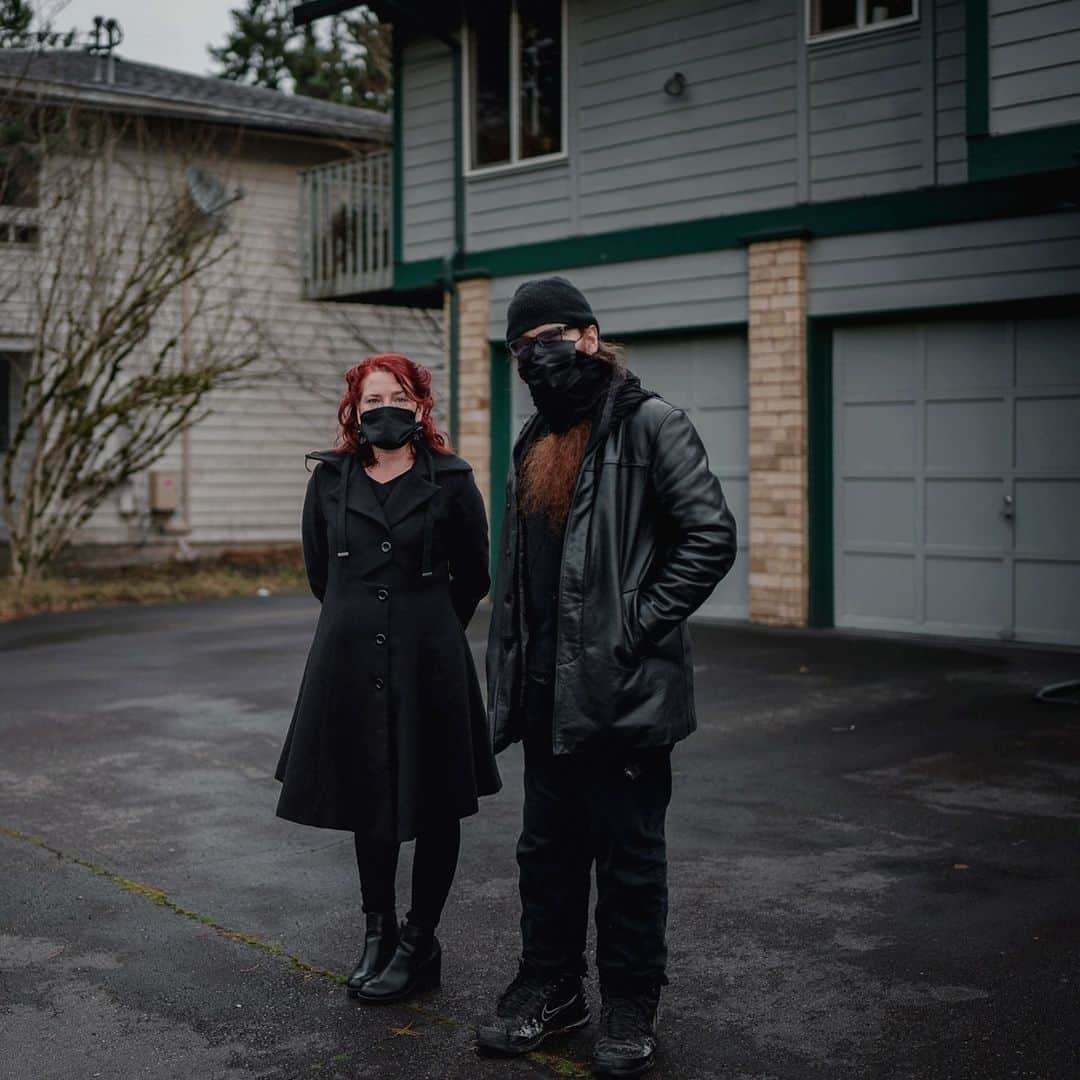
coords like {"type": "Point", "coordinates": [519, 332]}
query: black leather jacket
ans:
{"type": "Point", "coordinates": [648, 537]}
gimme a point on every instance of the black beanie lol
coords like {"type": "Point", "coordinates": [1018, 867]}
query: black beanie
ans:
{"type": "Point", "coordinates": [546, 300]}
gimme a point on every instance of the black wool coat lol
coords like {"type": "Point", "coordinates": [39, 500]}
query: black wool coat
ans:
{"type": "Point", "coordinates": [648, 538]}
{"type": "Point", "coordinates": [389, 729]}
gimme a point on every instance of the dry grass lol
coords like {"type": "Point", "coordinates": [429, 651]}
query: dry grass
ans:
{"type": "Point", "coordinates": [233, 573]}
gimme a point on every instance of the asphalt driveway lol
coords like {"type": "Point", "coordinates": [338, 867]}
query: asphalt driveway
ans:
{"type": "Point", "coordinates": [874, 846]}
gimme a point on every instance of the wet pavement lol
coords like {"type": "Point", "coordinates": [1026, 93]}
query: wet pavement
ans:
{"type": "Point", "coordinates": [874, 849]}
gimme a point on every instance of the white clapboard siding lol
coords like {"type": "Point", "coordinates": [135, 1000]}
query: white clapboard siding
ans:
{"type": "Point", "coordinates": [247, 456]}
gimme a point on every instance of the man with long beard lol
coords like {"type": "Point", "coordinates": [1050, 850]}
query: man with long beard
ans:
{"type": "Point", "coordinates": [616, 531]}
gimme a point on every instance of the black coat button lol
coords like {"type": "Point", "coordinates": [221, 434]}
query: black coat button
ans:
{"type": "Point", "coordinates": [379, 684]}
{"type": "Point", "coordinates": [386, 545]}
{"type": "Point", "coordinates": [380, 639]}
{"type": "Point", "coordinates": [382, 594]}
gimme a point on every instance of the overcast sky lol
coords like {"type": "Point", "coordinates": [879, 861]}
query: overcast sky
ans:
{"type": "Point", "coordinates": [173, 33]}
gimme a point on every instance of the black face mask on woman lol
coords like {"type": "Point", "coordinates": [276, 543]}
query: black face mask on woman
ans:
{"type": "Point", "coordinates": [564, 383]}
{"type": "Point", "coordinates": [389, 427]}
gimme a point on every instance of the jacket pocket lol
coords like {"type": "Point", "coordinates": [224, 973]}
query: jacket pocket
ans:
{"type": "Point", "coordinates": [628, 652]}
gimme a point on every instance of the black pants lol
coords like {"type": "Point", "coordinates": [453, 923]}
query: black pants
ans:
{"type": "Point", "coordinates": [434, 864]}
{"type": "Point", "coordinates": [581, 809]}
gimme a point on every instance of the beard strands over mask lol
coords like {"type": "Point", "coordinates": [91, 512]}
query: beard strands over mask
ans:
{"type": "Point", "coordinates": [389, 427]}
{"type": "Point", "coordinates": [549, 474]}
{"type": "Point", "coordinates": [563, 382]}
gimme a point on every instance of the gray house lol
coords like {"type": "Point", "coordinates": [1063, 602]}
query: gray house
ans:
{"type": "Point", "coordinates": [843, 234]}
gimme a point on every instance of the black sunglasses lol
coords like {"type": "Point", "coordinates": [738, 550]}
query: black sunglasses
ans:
{"type": "Point", "coordinates": [521, 348]}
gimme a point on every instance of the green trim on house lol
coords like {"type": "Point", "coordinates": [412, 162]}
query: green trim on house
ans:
{"type": "Point", "coordinates": [819, 410]}
{"type": "Point", "coordinates": [977, 67]}
{"type": "Point", "coordinates": [1042, 150]}
{"type": "Point", "coordinates": [501, 405]}
{"type": "Point", "coordinates": [845, 217]}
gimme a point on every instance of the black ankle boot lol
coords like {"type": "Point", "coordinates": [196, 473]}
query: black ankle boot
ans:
{"type": "Point", "coordinates": [380, 941]}
{"type": "Point", "coordinates": [416, 965]}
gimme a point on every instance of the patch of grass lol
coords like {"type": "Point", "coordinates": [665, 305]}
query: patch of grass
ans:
{"type": "Point", "coordinates": [233, 573]}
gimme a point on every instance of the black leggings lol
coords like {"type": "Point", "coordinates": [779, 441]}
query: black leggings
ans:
{"type": "Point", "coordinates": [434, 862]}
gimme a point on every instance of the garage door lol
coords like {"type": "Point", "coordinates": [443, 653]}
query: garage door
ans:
{"type": "Point", "coordinates": [706, 376]}
{"type": "Point", "coordinates": [957, 478]}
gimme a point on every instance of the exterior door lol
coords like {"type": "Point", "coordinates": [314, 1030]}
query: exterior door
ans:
{"type": "Point", "coordinates": [706, 375]}
{"type": "Point", "coordinates": [957, 478]}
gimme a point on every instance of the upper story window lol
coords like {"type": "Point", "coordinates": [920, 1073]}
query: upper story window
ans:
{"type": "Point", "coordinates": [837, 18]}
{"type": "Point", "coordinates": [516, 72]}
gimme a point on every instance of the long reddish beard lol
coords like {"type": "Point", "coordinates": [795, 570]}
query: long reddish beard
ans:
{"type": "Point", "coordinates": [549, 473]}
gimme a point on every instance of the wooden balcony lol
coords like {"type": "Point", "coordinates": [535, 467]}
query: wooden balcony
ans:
{"type": "Point", "coordinates": [346, 222]}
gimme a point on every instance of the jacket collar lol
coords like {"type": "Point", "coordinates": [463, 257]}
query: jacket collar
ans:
{"type": "Point", "coordinates": [410, 493]}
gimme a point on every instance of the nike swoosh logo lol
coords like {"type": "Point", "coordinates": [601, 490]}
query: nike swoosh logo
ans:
{"type": "Point", "coordinates": [545, 1015]}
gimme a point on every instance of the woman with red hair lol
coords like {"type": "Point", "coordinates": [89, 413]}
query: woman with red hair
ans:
{"type": "Point", "coordinates": [389, 737]}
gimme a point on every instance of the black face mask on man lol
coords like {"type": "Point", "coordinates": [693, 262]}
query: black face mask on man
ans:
{"type": "Point", "coordinates": [563, 382]}
{"type": "Point", "coordinates": [389, 427]}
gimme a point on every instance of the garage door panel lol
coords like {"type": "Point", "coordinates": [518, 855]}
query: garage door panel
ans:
{"type": "Point", "coordinates": [721, 376]}
{"type": "Point", "coordinates": [725, 435]}
{"type": "Point", "coordinates": [1048, 434]}
{"type": "Point", "coordinates": [880, 587]}
{"type": "Point", "coordinates": [968, 355]}
{"type": "Point", "coordinates": [1047, 598]}
{"type": "Point", "coordinates": [989, 443]}
{"type": "Point", "coordinates": [878, 438]}
{"type": "Point", "coordinates": [1048, 517]}
{"type": "Point", "coordinates": [737, 494]}
{"type": "Point", "coordinates": [879, 511]}
{"type": "Point", "coordinates": [731, 598]}
{"type": "Point", "coordinates": [966, 514]}
{"type": "Point", "coordinates": [878, 362]}
{"type": "Point", "coordinates": [967, 436]}
{"type": "Point", "coordinates": [966, 595]}
{"type": "Point", "coordinates": [1047, 353]}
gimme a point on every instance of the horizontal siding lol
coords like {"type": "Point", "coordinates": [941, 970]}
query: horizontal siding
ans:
{"type": "Point", "coordinates": [1034, 64]}
{"type": "Point", "coordinates": [427, 151]}
{"type": "Point", "coordinates": [500, 206]}
{"type": "Point", "coordinates": [985, 262]}
{"type": "Point", "coordinates": [682, 292]}
{"type": "Point", "coordinates": [867, 115]}
{"type": "Point", "coordinates": [247, 456]}
{"type": "Point", "coordinates": [950, 91]}
{"type": "Point", "coordinates": [726, 146]}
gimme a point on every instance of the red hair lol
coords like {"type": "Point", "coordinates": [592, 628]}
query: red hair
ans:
{"type": "Point", "coordinates": [415, 380]}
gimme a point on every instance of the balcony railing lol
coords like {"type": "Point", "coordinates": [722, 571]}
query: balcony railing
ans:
{"type": "Point", "coordinates": [346, 221]}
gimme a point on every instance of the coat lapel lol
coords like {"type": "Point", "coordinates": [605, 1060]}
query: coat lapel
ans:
{"type": "Point", "coordinates": [411, 493]}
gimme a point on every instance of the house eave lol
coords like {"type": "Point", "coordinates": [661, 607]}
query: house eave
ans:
{"type": "Point", "coordinates": [55, 93]}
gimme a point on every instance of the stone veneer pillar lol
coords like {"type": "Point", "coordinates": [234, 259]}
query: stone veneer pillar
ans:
{"type": "Point", "coordinates": [778, 526]}
{"type": "Point", "coordinates": [474, 380]}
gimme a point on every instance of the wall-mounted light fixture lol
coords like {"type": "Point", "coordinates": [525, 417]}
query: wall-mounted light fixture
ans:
{"type": "Point", "coordinates": [676, 85]}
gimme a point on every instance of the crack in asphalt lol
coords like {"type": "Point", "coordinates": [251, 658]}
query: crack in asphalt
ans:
{"type": "Point", "coordinates": [558, 1064]}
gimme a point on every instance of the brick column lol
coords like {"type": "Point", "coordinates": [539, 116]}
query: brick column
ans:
{"type": "Point", "coordinates": [474, 380]}
{"type": "Point", "coordinates": [779, 563]}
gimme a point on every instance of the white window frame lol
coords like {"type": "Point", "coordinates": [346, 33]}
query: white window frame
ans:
{"type": "Point", "coordinates": [515, 164]}
{"type": "Point", "coordinates": [864, 27]}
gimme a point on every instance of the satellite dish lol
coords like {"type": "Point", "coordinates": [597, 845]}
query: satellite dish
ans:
{"type": "Point", "coordinates": [209, 195]}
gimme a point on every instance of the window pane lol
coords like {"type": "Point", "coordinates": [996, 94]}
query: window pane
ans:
{"type": "Point", "coordinates": [883, 10]}
{"type": "Point", "coordinates": [540, 23]}
{"type": "Point", "coordinates": [830, 15]}
{"type": "Point", "coordinates": [489, 53]}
